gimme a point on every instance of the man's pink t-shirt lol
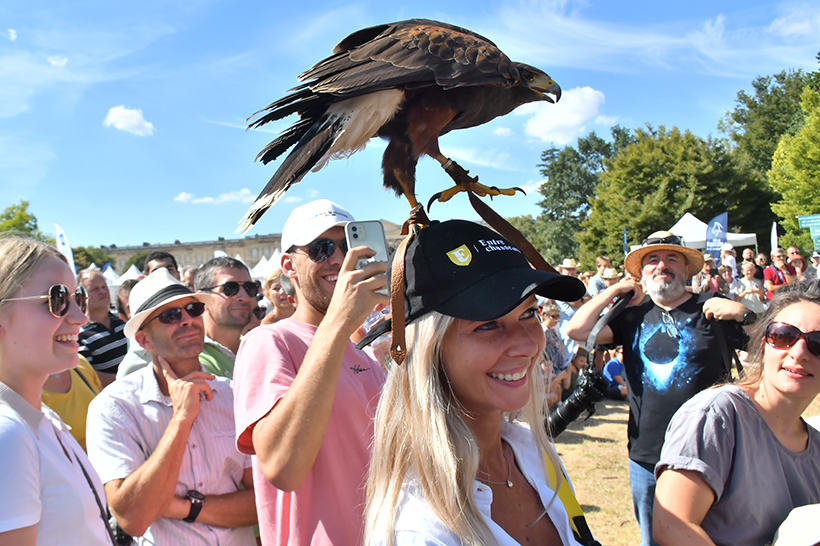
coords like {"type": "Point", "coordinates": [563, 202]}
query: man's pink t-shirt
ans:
{"type": "Point", "coordinates": [328, 507]}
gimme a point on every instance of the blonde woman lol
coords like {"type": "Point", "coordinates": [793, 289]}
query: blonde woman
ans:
{"type": "Point", "coordinates": [49, 493]}
{"type": "Point", "coordinates": [281, 306]}
{"type": "Point", "coordinates": [738, 458]}
{"type": "Point", "coordinates": [453, 464]}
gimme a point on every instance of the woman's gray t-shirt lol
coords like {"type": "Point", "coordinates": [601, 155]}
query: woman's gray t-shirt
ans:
{"type": "Point", "coordinates": [757, 481]}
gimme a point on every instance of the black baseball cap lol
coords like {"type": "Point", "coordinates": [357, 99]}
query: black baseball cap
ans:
{"type": "Point", "coordinates": [468, 271]}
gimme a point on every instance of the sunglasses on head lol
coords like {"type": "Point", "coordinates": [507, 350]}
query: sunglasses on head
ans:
{"type": "Point", "coordinates": [320, 250]}
{"type": "Point", "coordinates": [668, 240]}
{"type": "Point", "coordinates": [59, 298]}
{"type": "Point", "coordinates": [172, 316]}
{"type": "Point", "coordinates": [783, 336]}
{"type": "Point", "coordinates": [231, 288]}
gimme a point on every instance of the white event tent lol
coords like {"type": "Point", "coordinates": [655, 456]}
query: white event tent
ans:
{"type": "Point", "coordinates": [693, 232]}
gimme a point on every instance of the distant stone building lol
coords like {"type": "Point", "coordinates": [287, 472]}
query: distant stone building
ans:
{"type": "Point", "coordinates": [250, 249]}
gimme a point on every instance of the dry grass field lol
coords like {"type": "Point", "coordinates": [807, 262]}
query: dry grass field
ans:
{"type": "Point", "coordinates": [594, 453]}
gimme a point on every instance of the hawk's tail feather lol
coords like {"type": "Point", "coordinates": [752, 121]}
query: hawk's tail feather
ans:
{"type": "Point", "coordinates": [313, 148]}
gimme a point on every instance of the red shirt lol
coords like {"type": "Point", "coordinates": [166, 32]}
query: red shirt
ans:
{"type": "Point", "coordinates": [770, 273]}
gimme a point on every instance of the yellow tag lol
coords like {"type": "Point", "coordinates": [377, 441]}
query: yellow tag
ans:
{"type": "Point", "coordinates": [460, 256]}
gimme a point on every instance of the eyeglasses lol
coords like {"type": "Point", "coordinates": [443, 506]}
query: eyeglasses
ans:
{"type": "Point", "coordinates": [259, 313]}
{"type": "Point", "coordinates": [783, 336]}
{"type": "Point", "coordinates": [322, 249]}
{"type": "Point", "coordinates": [668, 240]}
{"type": "Point", "coordinates": [555, 316]}
{"type": "Point", "coordinates": [172, 316]}
{"type": "Point", "coordinates": [59, 298]}
{"type": "Point", "coordinates": [231, 288]}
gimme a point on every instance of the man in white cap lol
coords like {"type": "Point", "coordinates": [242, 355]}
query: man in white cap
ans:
{"type": "Point", "coordinates": [305, 395]}
{"type": "Point", "coordinates": [675, 344]}
{"type": "Point", "coordinates": [161, 438]}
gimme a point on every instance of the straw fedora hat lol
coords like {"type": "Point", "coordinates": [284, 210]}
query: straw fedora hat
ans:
{"type": "Point", "coordinates": [610, 273]}
{"type": "Point", "coordinates": [569, 263]}
{"type": "Point", "coordinates": [153, 292]}
{"type": "Point", "coordinates": [662, 240]}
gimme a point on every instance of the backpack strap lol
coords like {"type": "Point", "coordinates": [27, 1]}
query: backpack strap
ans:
{"type": "Point", "coordinates": [728, 354]}
{"type": "Point", "coordinates": [577, 521]}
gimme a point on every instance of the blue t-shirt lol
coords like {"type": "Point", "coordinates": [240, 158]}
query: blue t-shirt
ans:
{"type": "Point", "coordinates": [612, 369]}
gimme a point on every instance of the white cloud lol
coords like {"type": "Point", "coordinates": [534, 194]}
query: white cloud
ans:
{"type": "Point", "coordinates": [564, 121]}
{"type": "Point", "coordinates": [129, 120]}
{"type": "Point", "coordinates": [503, 131]}
{"type": "Point", "coordinates": [12, 34]}
{"type": "Point", "coordinates": [792, 25]}
{"type": "Point", "coordinates": [291, 199]}
{"type": "Point", "coordinates": [57, 61]}
{"type": "Point", "coordinates": [313, 193]}
{"type": "Point", "coordinates": [606, 120]}
{"type": "Point", "coordinates": [531, 187]}
{"type": "Point", "coordinates": [243, 196]}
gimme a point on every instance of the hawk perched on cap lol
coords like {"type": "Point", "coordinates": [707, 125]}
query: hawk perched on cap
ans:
{"type": "Point", "coordinates": [408, 82]}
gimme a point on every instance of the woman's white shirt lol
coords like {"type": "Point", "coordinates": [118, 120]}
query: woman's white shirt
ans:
{"type": "Point", "coordinates": [417, 524]}
{"type": "Point", "coordinates": [39, 484]}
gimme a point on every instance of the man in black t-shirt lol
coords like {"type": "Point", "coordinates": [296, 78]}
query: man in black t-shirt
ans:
{"type": "Point", "coordinates": [672, 349]}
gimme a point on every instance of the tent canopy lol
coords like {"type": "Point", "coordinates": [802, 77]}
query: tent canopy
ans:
{"type": "Point", "coordinates": [693, 232]}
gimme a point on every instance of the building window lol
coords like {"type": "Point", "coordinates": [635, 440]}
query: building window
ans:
{"type": "Point", "coordinates": [188, 259]}
{"type": "Point", "coordinates": [199, 259]}
{"type": "Point", "coordinates": [267, 252]}
{"type": "Point", "coordinates": [254, 252]}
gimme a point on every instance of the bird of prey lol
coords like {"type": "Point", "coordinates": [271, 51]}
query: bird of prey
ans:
{"type": "Point", "coordinates": [407, 82]}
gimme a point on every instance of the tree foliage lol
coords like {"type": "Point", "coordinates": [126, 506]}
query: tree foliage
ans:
{"type": "Point", "coordinates": [760, 119]}
{"type": "Point", "coordinates": [18, 219]}
{"type": "Point", "coordinates": [651, 183]}
{"type": "Point", "coordinates": [85, 256]}
{"type": "Point", "coordinates": [571, 179]}
{"type": "Point", "coordinates": [795, 174]}
{"type": "Point", "coordinates": [137, 259]}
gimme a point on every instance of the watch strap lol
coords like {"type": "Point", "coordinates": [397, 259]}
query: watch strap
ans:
{"type": "Point", "coordinates": [197, 500]}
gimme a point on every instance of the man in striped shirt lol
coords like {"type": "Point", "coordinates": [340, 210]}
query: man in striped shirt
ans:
{"type": "Point", "coordinates": [102, 341]}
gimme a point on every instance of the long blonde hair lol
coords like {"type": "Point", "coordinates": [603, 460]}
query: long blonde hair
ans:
{"type": "Point", "coordinates": [19, 259]}
{"type": "Point", "coordinates": [420, 430]}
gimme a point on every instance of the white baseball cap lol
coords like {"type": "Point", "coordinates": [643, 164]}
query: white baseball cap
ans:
{"type": "Point", "coordinates": [310, 220]}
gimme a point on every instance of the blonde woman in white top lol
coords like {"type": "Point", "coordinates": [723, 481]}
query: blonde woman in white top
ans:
{"type": "Point", "coordinates": [49, 493]}
{"type": "Point", "coordinates": [453, 464]}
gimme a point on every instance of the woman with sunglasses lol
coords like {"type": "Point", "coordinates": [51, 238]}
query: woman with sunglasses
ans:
{"type": "Point", "coordinates": [452, 463]}
{"type": "Point", "coordinates": [49, 492]}
{"type": "Point", "coordinates": [738, 458]}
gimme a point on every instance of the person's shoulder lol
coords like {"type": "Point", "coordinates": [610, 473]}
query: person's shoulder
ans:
{"type": "Point", "coordinates": [724, 400]}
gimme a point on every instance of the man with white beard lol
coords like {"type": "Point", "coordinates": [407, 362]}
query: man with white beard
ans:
{"type": "Point", "coordinates": [675, 344]}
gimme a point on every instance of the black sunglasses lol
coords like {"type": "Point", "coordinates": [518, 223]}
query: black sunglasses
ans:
{"type": "Point", "coordinates": [668, 240]}
{"type": "Point", "coordinates": [320, 250]}
{"type": "Point", "coordinates": [783, 336]}
{"type": "Point", "coordinates": [231, 288]}
{"type": "Point", "coordinates": [172, 316]}
{"type": "Point", "coordinates": [59, 298]}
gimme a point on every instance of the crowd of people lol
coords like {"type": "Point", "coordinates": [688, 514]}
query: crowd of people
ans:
{"type": "Point", "coordinates": [205, 407]}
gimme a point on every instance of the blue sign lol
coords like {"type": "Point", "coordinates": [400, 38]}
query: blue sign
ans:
{"type": "Point", "coordinates": [716, 234]}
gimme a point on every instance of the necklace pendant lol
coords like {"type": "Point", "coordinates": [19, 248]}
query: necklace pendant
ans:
{"type": "Point", "coordinates": [509, 484]}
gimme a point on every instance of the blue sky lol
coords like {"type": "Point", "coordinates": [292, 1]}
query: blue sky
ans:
{"type": "Point", "coordinates": [125, 122]}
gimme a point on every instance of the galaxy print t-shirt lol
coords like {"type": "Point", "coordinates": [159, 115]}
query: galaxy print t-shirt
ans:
{"type": "Point", "coordinates": [669, 356]}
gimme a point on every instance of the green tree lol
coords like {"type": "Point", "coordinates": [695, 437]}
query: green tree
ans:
{"type": "Point", "coordinates": [85, 256]}
{"type": "Point", "coordinates": [795, 174]}
{"type": "Point", "coordinates": [760, 119]}
{"type": "Point", "coordinates": [571, 178]}
{"type": "Point", "coordinates": [137, 259]}
{"type": "Point", "coordinates": [650, 184]}
{"type": "Point", "coordinates": [18, 218]}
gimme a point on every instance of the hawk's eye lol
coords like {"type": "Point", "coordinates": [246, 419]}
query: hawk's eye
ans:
{"type": "Point", "coordinates": [527, 75]}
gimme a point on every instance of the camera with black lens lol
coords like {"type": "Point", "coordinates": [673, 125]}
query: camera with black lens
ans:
{"type": "Point", "coordinates": [592, 387]}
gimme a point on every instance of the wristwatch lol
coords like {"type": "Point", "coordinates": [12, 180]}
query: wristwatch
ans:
{"type": "Point", "coordinates": [749, 318]}
{"type": "Point", "coordinates": [197, 500]}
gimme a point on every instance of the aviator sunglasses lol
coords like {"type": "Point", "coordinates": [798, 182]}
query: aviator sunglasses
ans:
{"type": "Point", "coordinates": [668, 240]}
{"type": "Point", "coordinates": [59, 298]}
{"type": "Point", "coordinates": [320, 250]}
{"type": "Point", "coordinates": [172, 316]}
{"type": "Point", "coordinates": [783, 336]}
{"type": "Point", "coordinates": [231, 288]}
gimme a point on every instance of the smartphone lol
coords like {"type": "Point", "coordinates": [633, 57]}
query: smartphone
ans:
{"type": "Point", "coordinates": [369, 233]}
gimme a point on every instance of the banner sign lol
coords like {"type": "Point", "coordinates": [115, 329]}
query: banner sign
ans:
{"type": "Point", "coordinates": [716, 234]}
{"type": "Point", "coordinates": [63, 246]}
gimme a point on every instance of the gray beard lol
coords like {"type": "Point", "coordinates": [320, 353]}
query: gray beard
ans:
{"type": "Point", "coordinates": [665, 291]}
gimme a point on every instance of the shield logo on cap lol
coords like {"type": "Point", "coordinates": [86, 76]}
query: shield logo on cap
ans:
{"type": "Point", "coordinates": [460, 256]}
